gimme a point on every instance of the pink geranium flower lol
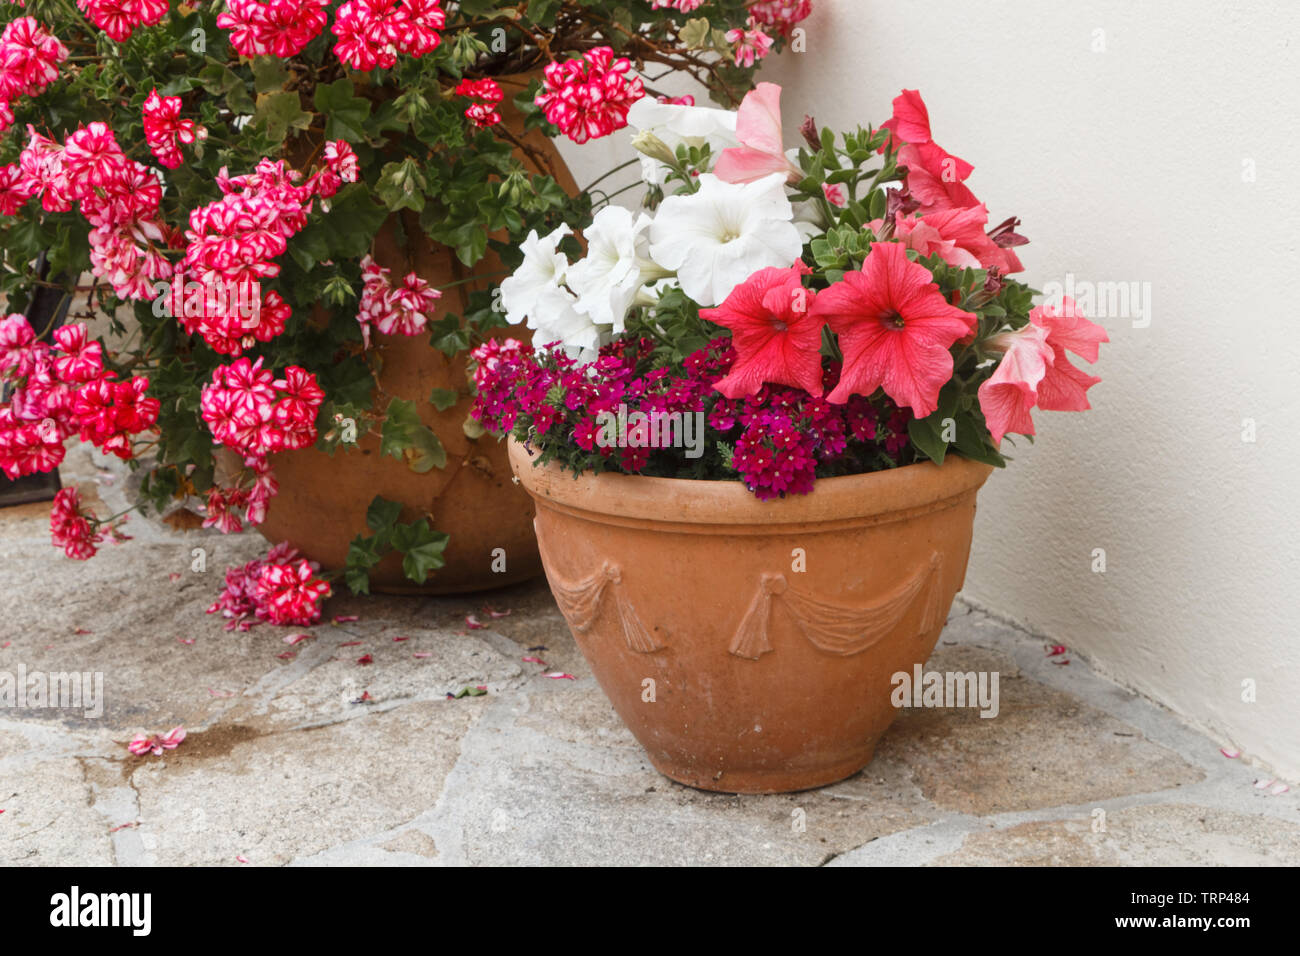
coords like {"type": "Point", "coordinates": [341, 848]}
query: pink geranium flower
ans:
{"type": "Point", "coordinates": [776, 337]}
{"type": "Point", "coordinates": [762, 149]}
{"type": "Point", "coordinates": [894, 328]}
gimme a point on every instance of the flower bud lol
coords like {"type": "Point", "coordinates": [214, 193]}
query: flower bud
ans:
{"type": "Point", "coordinates": [651, 145]}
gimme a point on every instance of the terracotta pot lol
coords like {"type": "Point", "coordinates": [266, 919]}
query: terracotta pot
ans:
{"type": "Point", "coordinates": [322, 502]}
{"type": "Point", "coordinates": [736, 670]}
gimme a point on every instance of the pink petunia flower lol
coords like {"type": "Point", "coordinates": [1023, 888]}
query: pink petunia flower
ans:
{"type": "Point", "coordinates": [894, 328]}
{"type": "Point", "coordinates": [776, 336]}
{"type": "Point", "coordinates": [762, 150]}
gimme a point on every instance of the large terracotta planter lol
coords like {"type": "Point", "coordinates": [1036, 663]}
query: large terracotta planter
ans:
{"type": "Point", "coordinates": [735, 670]}
{"type": "Point", "coordinates": [322, 502]}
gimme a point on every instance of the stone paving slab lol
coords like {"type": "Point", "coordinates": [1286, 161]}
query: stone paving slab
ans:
{"type": "Point", "coordinates": [284, 766]}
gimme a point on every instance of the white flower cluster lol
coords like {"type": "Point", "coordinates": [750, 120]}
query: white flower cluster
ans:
{"type": "Point", "coordinates": [707, 241]}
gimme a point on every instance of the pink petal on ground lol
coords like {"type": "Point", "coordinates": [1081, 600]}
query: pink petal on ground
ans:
{"type": "Point", "coordinates": [1263, 784]}
{"type": "Point", "coordinates": [239, 857]}
{"type": "Point", "coordinates": [174, 576]}
{"type": "Point", "coordinates": [122, 826]}
{"type": "Point", "coordinates": [6, 644]}
{"type": "Point", "coordinates": [396, 639]}
{"type": "Point", "coordinates": [1060, 663]}
{"type": "Point", "coordinates": [287, 655]}
{"type": "Point", "coordinates": [1279, 789]}
{"type": "Point", "coordinates": [556, 675]}
{"type": "Point", "coordinates": [534, 660]}
{"type": "Point", "coordinates": [350, 644]}
{"type": "Point", "coordinates": [81, 630]}
{"type": "Point", "coordinates": [420, 655]}
{"type": "Point", "coordinates": [173, 738]}
{"type": "Point", "coordinates": [1054, 649]}
{"type": "Point", "coordinates": [492, 613]}
{"type": "Point", "coordinates": [185, 640]}
{"type": "Point", "coordinates": [1230, 753]}
{"type": "Point", "coordinates": [365, 659]}
{"type": "Point", "coordinates": [221, 693]}
{"type": "Point", "coordinates": [1, 811]}
{"type": "Point", "coordinates": [345, 618]}
{"type": "Point", "coordinates": [292, 639]}
{"type": "Point", "coordinates": [473, 623]}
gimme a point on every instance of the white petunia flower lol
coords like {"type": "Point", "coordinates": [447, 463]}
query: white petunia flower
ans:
{"type": "Point", "coordinates": [676, 124]}
{"type": "Point", "coordinates": [554, 319]}
{"type": "Point", "coordinates": [543, 269]}
{"type": "Point", "coordinates": [718, 237]}
{"type": "Point", "coordinates": [616, 266]}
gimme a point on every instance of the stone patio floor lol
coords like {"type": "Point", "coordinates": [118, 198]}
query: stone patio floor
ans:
{"type": "Point", "coordinates": [281, 766]}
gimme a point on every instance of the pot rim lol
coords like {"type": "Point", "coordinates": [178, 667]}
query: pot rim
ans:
{"type": "Point", "coordinates": [880, 495]}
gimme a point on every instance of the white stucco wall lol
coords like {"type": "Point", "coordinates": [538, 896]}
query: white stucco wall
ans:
{"type": "Point", "coordinates": [1124, 135]}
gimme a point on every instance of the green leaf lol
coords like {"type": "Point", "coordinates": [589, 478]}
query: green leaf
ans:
{"type": "Point", "coordinates": [382, 513]}
{"type": "Point", "coordinates": [422, 549]}
{"type": "Point", "coordinates": [694, 33]}
{"type": "Point", "coordinates": [345, 114]}
{"type": "Point", "coordinates": [277, 113]}
{"type": "Point", "coordinates": [269, 74]}
{"type": "Point", "coordinates": [444, 398]}
{"type": "Point", "coordinates": [404, 435]}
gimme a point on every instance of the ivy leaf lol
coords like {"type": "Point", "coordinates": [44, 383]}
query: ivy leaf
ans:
{"type": "Point", "coordinates": [345, 114]}
{"type": "Point", "coordinates": [421, 547]}
{"type": "Point", "coordinates": [444, 398]}
{"type": "Point", "coordinates": [277, 113]}
{"type": "Point", "coordinates": [694, 33]}
{"type": "Point", "coordinates": [382, 513]}
{"type": "Point", "coordinates": [404, 435]}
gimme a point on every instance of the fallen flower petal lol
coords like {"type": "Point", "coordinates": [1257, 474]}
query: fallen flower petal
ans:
{"type": "Point", "coordinates": [185, 640]}
{"type": "Point", "coordinates": [1263, 784]}
{"type": "Point", "coordinates": [1230, 753]}
{"type": "Point", "coordinates": [241, 858]}
{"type": "Point", "coordinates": [558, 676]}
{"type": "Point", "coordinates": [6, 644]}
{"type": "Point", "coordinates": [1060, 663]}
{"type": "Point", "coordinates": [292, 639]}
{"type": "Point", "coordinates": [1279, 789]}
{"type": "Point", "coordinates": [492, 613]}
{"type": "Point", "coordinates": [365, 659]}
{"type": "Point", "coordinates": [287, 655]}
{"type": "Point", "coordinates": [365, 698]}
{"type": "Point", "coordinates": [534, 660]}
{"type": "Point", "coordinates": [420, 655]}
{"type": "Point", "coordinates": [82, 630]}
{"type": "Point", "coordinates": [473, 623]}
{"type": "Point", "coordinates": [1055, 649]}
{"type": "Point", "coordinates": [221, 693]}
{"type": "Point", "coordinates": [122, 826]}
{"type": "Point", "coordinates": [397, 639]}
{"type": "Point", "coordinates": [345, 618]}
{"type": "Point", "coordinates": [174, 576]}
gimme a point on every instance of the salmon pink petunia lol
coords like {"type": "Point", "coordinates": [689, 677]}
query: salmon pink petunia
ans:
{"type": "Point", "coordinates": [1007, 396]}
{"type": "Point", "coordinates": [935, 177]}
{"type": "Point", "coordinates": [762, 150]}
{"type": "Point", "coordinates": [894, 328]}
{"type": "Point", "coordinates": [776, 337]}
{"type": "Point", "coordinates": [958, 236]}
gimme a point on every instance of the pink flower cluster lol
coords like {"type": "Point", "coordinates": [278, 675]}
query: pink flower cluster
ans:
{"type": "Point", "coordinates": [781, 436]}
{"type": "Point", "coordinates": [72, 530]}
{"type": "Point", "coordinates": [60, 391]}
{"type": "Point", "coordinates": [119, 18]}
{"type": "Point", "coordinates": [394, 310]}
{"type": "Point", "coordinates": [164, 130]}
{"type": "Point", "coordinates": [782, 14]}
{"type": "Point", "coordinates": [29, 62]}
{"type": "Point", "coordinates": [280, 588]}
{"type": "Point", "coordinates": [278, 27]}
{"type": "Point", "coordinates": [487, 94]}
{"type": "Point", "coordinates": [372, 32]}
{"type": "Point", "coordinates": [751, 43]}
{"type": "Point", "coordinates": [224, 503]}
{"type": "Point", "coordinates": [233, 240]}
{"type": "Point", "coordinates": [253, 413]}
{"type": "Point", "coordinates": [589, 97]}
{"type": "Point", "coordinates": [118, 197]}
